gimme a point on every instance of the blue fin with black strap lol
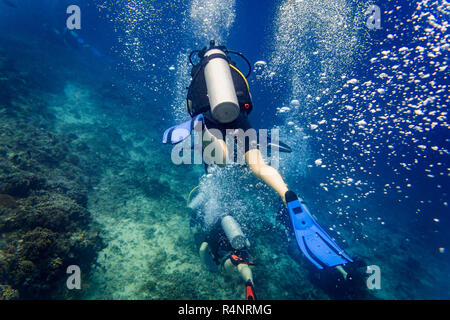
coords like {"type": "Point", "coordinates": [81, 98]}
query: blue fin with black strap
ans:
{"type": "Point", "coordinates": [180, 132]}
{"type": "Point", "coordinates": [312, 240]}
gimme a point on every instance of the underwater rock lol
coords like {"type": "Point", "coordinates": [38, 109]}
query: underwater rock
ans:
{"type": "Point", "coordinates": [53, 211]}
{"type": "Point", "coordinates": [43, 235]}
{"type": "Point", "coordinates": [151, 187]}
{"type": "Point", "coordinates": [8, 293]}
{"type": "Point", "coordinates": [74, 190]}
{"type": "Point", "coordinates": [51, 155]}
{"type": "Point", "coordinates": [154, 189]}
{"type": "Point", "coordinates": [35, 261]}
{"type": "Point", "coordinates": [20, 184]}
{"type": "Point", "coordinates": [73, 159]}
{"type": "Point", "coordinates": [6, 201]}
{"type": "Point", "coordinates": [44, 223]}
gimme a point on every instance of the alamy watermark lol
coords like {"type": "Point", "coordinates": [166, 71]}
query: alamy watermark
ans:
{"type": "Point", "coordinates": [74, 20]}
{"type": "Point", "coordinates": [74, 280]}
{"type": "Point", "coordinates": [374, 280]}
{"type": "Point", "coordinates": [231, 148]}
{"type": "Point", "coordinates": [374, 20]}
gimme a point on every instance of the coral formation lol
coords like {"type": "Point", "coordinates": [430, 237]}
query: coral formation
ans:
{"type": "Point", "coordinates": [8, 293]}
{"type": "Point", "coordinates": [44, 223]}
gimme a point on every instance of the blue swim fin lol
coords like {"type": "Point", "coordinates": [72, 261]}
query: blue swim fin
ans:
{"type": "Point", "coordinates": [282, 147]}
{"type": "Point", "coordinates": [312, 240]}
{"type": "Point", "coordinates": [179, 133]}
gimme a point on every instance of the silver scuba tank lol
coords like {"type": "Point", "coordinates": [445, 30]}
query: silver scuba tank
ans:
{"type": "Point", "coordinates": [220, 87]}
{"type": "Point", "coordinates": [233, 232]}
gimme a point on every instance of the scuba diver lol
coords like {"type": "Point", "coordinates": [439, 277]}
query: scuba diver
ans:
{"type": "Point", "coordinates": [70, 39]}
{"type": "Point", "coordinates": [219, 101]}
{"type": "Point", "coordinates": [222, 246]}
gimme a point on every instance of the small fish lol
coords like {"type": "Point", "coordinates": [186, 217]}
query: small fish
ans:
{"type": "Point", "coordinates": [10, 4]}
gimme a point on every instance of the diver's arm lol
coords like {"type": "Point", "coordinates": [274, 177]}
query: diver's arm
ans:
{"type": "Point", "coordinates": [211, 144]}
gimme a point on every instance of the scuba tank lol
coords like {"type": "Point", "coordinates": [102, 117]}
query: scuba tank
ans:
{"type": "Point", "coordinates": [220, 88]}
{"type": "Point", "coordinates": [233, 232]}
{"type": "Point", "coordinates": [218, 85]}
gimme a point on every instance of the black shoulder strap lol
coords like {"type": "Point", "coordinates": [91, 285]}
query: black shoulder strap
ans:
{"type": "Point", "coordinates": [214, 56]}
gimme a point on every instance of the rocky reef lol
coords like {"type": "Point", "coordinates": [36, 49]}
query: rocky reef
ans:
{"type": "Point", "coordinates": [44, 223]}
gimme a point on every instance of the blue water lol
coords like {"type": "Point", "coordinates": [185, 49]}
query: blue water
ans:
{"type": "Point", "coordinates": [369, 136]}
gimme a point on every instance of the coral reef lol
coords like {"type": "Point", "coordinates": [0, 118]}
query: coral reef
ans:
{"type": "Point", "coordinates": [8, 293]}
{"type": "Point", "coordinates": [44, 223]}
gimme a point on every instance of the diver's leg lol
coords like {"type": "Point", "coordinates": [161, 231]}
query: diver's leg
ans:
{"type": "Point", "coordinates": [244, 270]}
{"type": "Point", "coordinates": [207, 257]}
{"type": "Point", "coordinates": [265, 172]}
{"type": "Point", "coordinates": [246, 275]}
{"type": "Point", "coordinates": [211, 143]}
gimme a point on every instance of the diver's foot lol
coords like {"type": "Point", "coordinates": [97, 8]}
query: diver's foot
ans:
{"type": "Point", "coordinates": [289, 196]}
{"type": "Point", "coordinates": [283, 197]}
{"type": "Point", "coordinates": [343, 272]}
